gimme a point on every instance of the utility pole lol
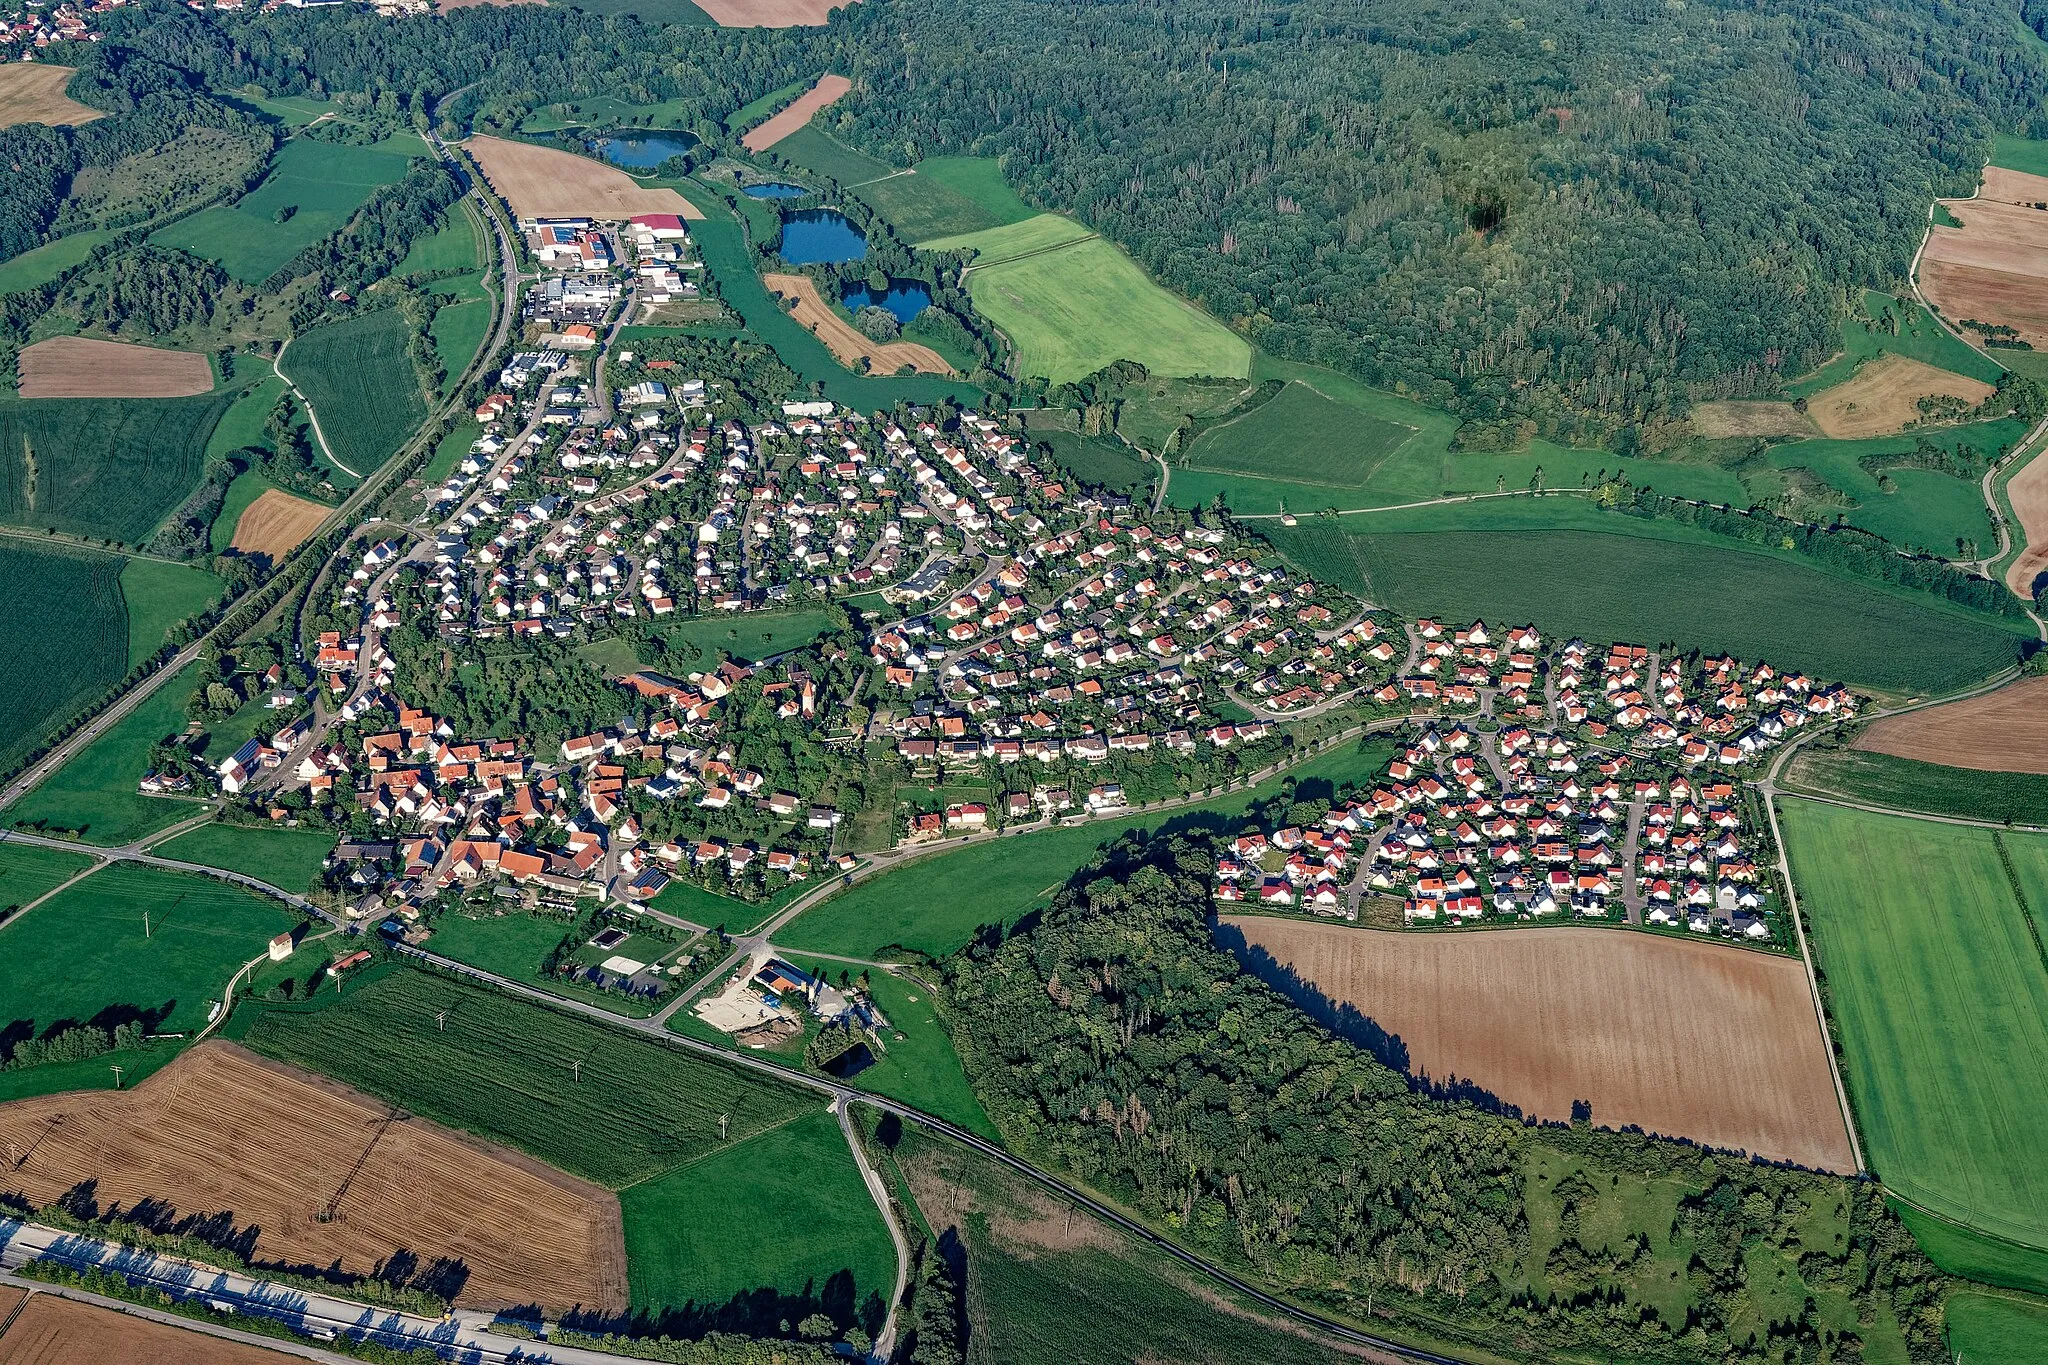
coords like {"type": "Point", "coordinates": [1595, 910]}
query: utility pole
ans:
{"type": "Point", "coordinates": [724, 1122]}
{"type": "Point", "coordinates": [441, 1018]}
{"type": "Point", "coordinates": [117, 1076]}
{"type": "Point", "coordinates": [576, 1070]}
{"type": "Point", "coordinates": [145, 921]}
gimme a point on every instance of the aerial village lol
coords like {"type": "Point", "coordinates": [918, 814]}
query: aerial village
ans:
{"type": "Point", "coordinates": [1000, 628]}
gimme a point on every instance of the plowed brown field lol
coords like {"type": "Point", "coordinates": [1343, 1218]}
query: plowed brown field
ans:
{"type": "Point", "coordinates": [1994, 268]}
{"type": "Point", "coordinates": [275, 523]}
{"type": "Point", "coordinates": [1685, 1039]}
{"type": "Point", "coordinates": [1884, 396]}
{"type": "Point", "coordinates": [82, 367]}
{"type": "Point", "coordinates": [33, 92]}
{"type": "Point", "coordinates": [540, 182]}
{"type": "Point", "coordinates": [221, 1130]}
{"type": "Point", "coordinates": [797, 112]}
{"type": "Point", "coordinates": [844, 340]}
{"type": "Point", "coordinates": [54, 1331]}
{"type": "Point", "coordinates": [2028, 493]}
{"type": "Point", "coordinates": [2000, 732]}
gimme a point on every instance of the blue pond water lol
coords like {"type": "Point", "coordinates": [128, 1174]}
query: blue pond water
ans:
{"type": "Point", "coordinates": [775, 189]}
{"type": "Point", "coordinates": [642, 151]}
{"type": "Point", "coordinates": [821, 237]}
{"type": "Point", "coordinates": [904, 301]}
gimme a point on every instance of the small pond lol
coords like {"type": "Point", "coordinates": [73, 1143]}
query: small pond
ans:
{"type": "Point", "coordinates": [904, 300]}
{"type": "Point", "coordinates": [642, 150]}
{"type": "Point", "coordinates": [775, 189]}
{"type": "Point", "coordinates": [821, 237]}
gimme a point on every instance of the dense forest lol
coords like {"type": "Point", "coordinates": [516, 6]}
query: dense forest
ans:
{"type": "Point", "coordinates": [1587, 214]}
{"type": "Point", "coordinates": [1114, 1039]}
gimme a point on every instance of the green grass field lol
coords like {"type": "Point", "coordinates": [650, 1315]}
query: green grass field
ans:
{"type": "Point", "coordinates": [2020, 154]}
{"type": "Point", "coordinates": [1941, 996]}
{"type": "Point", "coordinates": [1099, 460]}
{"type": "Point", "coordinates": [514, 945]}
{"type": "Point", "coordinates": [49, 260]}
{"type": "Point", "coordinates": [159, 595]}
{"type": "Point", "coordinates": [84, 956]}
{"type": "Point", "coordinates": [449, 452]}
{"type": "Point", "coordinates": [1619, 586]}
{"type": "Point", "coordinates": [1907, 784]}
{"type": "Point", "coordinates": [1073, 303]}
{"type": "Point", "coordinates": [688, 901]}
{"type": "Point", "coordinates": [752, 112]}
{"type": "Point", "coordinates": [1974, 1256]}
{"type": "Point", "coordinates": [245, 489]}
{"type": "Point", "coordinates": [754, 635]}
{"type": "Point", "coordinates": [459, 330]}
{"type": "Point", "coordinates": [64, 644]}
{"type": "Point", "coordinates": [648, 11]}
{"type": "Point", "coordinates": [502, 1068]}
{"type": "Point", "coordinates": [979, 179]}
{"type": "Point", "coordinates": [1928, 510]}
{"type": "Point", "coordinates": [935, 905]}
{"type": "Point", "coordinates": [94, 794]}
{"type": "Point", "coordinates": [451, 246]}
{"type": "Point", "coordinates": [359, 378]}
{"type": "Point", "coordinates": [27, 872]}
{"type": "Point", "coordinates": [1300, 435]}
{"type": "Point", "coordinates": [244, 423]}
{"type": "Point", "coordinates": [109, 469]}
{"type": "Point", "coordinates": [814, 149]}
{"type": "Point", "coordinates": [784, 1210]}
{"type": "Point", "coordinates": [920, 1068]}
{"type": "Point", "coordinates": [1990, 1329]}
{"type": "Point", "coordinates": [1901, 327]}
{"type": "Point", "coordinates": [321, 183]}
{"type": "Point", "coordinates": [290, 859]}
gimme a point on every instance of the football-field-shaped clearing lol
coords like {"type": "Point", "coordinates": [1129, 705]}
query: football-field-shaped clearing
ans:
{"type": "Point", "coordinates": [85, 367]}
{"type": "Point", "coordinates": [1885, 396]}
{"type": "Point", "coordinates": [33, 92]}
{"type": "Point", "coordinates": [221, 1131]}
{"type": "Point", "coordinates": [1072, 303]}
{"type": "Point", "coordinates": [1302, 436]}
{"type": "Point", "coordinates": [541, 182]}
{"type": "Point", "coordinates": [276, 523]}
{"type": "Point", "coordinates": [1554, 1017]}
{"type": "Point", "coordinates": [2002, 732]}
{"type": "Point", "coordinates": [1938, 990]}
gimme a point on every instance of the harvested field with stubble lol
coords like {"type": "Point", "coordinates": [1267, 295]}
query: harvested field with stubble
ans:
{"type": "Point", "coordinates": [1884, 397]}
{"type": "Point", "coordinates": [1739, 417]}
{"type": "Point", "coordinates": [540, 182]}
{"type": "Point", "coordinates": [1548, 1017]}
{"type": "Point", "coordinates": [844, 340]}
{"type": "Point", "coordinates": [276, 523]}
{"type": "Point", "coordinates": [2027, 491]}
{"type": "Point", "coordinates": [33, 92]}
{"type": "Point", "coordinates": [1994, 267]}
{"type": "Point", "coordinates": [222, 1131]}
{"type": "Point", "coordinates": [2000, 732]}
{"type": "Point", "coordinates": [798, 111]}
{"type": "Point", "coordinates": [54, 1331]}
{"type": "Point", "coordinates": [84, 367]}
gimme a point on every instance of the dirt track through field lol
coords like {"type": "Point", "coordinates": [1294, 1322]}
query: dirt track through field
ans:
{"type": "Point", "coordinates": [540, 182]}
{"type": "Point", "coordinates": [84, 367]}
{"type": "Point", "coordinates": [223, 1132]}
{"type": "Point", "coordinates": [54, 1331]}
{"type": "Point", "coordinates": [1686, 1039]}
{"type": "Point", "coordinates": [275, 523]}
{"type": "Point", "coordinates": [844, 340]}
{"type": "Point", "coordinates": [797, 112]}
{"type": "Point", "coordinates": [2000, 732]}
{"type": "Point", "coordinates": [1884, 396]}
{"type": "Point", "coordinates": [33, 92]}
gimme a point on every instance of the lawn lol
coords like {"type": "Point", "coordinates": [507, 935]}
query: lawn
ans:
{"type": "Point", "coordinates": [1300, 435]}
{"type": "Point", "coordinates": [814, 149]}
{"type": "Point", "coordinates": [784, 1210]}
{"type": "Point", "coordinates": [1991, 1329]}
{"type": "Point", "coordinates": [1622, 586]}
{"type": "Point", "coordinates": [515, 944]}
{"type": "Point", "coordinates": [94, 794]}
{"type": "Point", "coordinates": [1940, 994]}
{"type": "Point", "coordinates": [359, 378]}
{"type": "Point", "coordinates": [49, 260]}
{"type": "Point", "coordinates": [452, 246]}
{"type": "Point", "coordinates": [586, 1097]}
{"type": "Point", "coordinates": [289, 859]}
{"type": "Point", "coordinates": [2020, 154]}
{"type": "Point", "coordinates": [689, 901]}
{"type": "Point", "coordinates": [109, 469]}
{"type": "Point", "coordinates": [27, 872]}
{"type": "Point", "coordinates": [920, 1068]}
{"type": "Point", "coordinates": [246, 423]}
{"type": "Point", "coordinates": [1902, 327]}
{"type": "Point", "coordinates": [936, 904]}
{"type": "Point", "coordinates": [449, 452]}
{"type": "Point", "coordinates": [459, 329]}
{"type": "Point", "coordinates": [1099, 461]}
{"type": "Point", "coordinates": [1908, 784]}
{"type": "Point", "coordinates": [158, 596]}
{"type": "Point", "coordinates": [86, 956]}
{"type": "Point", "coordinates": [315, 187]}
{"type": "Point", "coordinates": [65, 642]}
{"type": "Point", "coordinates": [1072, 309]}
{"type": "Point", "coordinates": [751, 636]}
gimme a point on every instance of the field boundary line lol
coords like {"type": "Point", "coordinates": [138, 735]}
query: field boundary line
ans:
{"type": "Point", "coordinates": [2019, 895]}
{"type": "Point", "coordinates": [101, 865]}
{"type": "Point", "coordinates": [908, 170]}
{"type": "Point", "coordinates": [973, 266]}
